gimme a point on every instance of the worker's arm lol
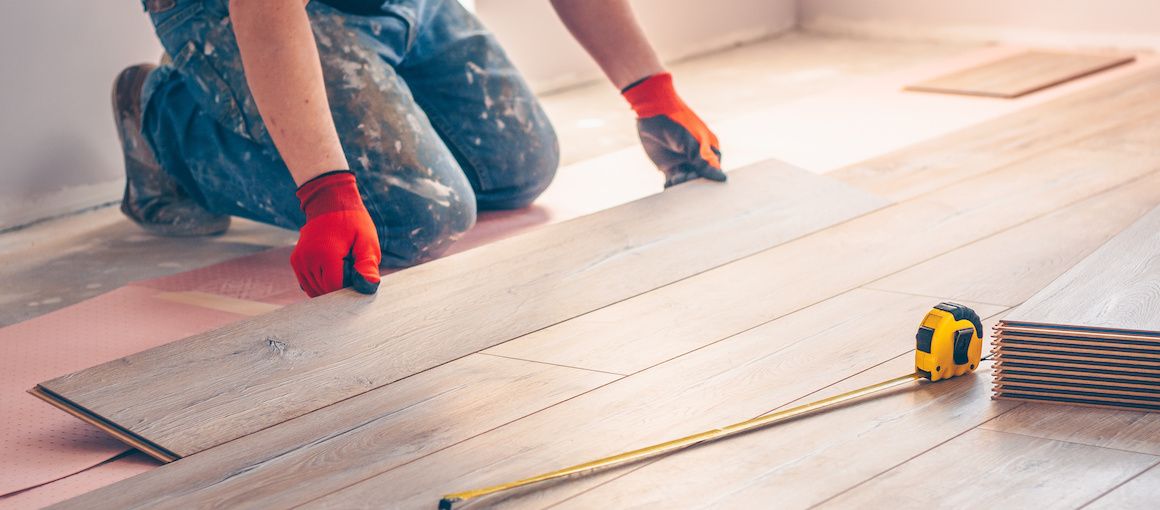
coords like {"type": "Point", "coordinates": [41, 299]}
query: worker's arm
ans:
{"type": "Point", "coordinates": [284, 73]}
{"type": "Point", "coordinates": [674, 137]}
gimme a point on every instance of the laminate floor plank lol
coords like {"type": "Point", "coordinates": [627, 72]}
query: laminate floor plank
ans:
{"type": "Point", "coordinates": [930, 165]}
{"type": "Point", "coordinates": [341, 444]}
{"type": "Point", "coordinates": [1020, 74]}
{"type": "Point", "coordinates": [1000, 469]}
{"type": "Point", "coordinates": [645, 330]}
{"type": "Point", "coordinates": [1123, 430]}
{"type": "Point", "coordinates": [215, 387]}
{"type": "Point", "coordinates": [1116, 287]}
{"type": "Point", "coordinates": [1040, 250]}
{"type": "Point", "coordinates": [731, 380]}
{"type": "Point", "coordinates": [1140, 492]}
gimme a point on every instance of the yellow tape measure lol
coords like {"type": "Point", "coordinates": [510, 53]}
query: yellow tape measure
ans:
{"type": "Point", "coordinates": [948, 344]}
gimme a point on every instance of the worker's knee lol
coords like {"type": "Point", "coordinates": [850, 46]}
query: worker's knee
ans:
{"type": "Point", "coordinates": [419, 220]}
{"type": "Point", "coordinates": [527, 170]}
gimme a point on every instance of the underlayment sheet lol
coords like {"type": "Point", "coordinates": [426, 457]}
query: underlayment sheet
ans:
{"type": "Point", "coordinates": [41, 444]}
{"type": "Point", "coordinates": [106, 473]}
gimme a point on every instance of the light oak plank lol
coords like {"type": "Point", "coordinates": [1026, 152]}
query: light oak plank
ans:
{"type": "Point", "coordinates": [1116, 287]}
{"type": "Point", "coordinates": [1024, 360]}
{"type": "Point", "coordinates": [338, 445]}
{"type": "Point", "coordinates": [1141, 492]}
{"type": "Point", "coordinates": [1059, 123]}
{"type": "Point", "coordinates": [793, 465]}
{"type": "Point", "coordinates": [1020, 74]}
{"type": "Point", "coordinates": [1148, 395]}
{"type": "Point", "coordinates": [1123, 430]}
{"type": "Point", "coordinates": [1028, 369]}
{"type": "Point", "coordinates": [1074, 402]}
{"type": "Point", "coordinates": [1086, 379]}
{"type": "Point", "coordinates": [678, 318]}
{"type": "Point", "coordinates": [211, 388]}
{"type": "Point", "coordinates": [997, 468]}
{"type": "Point", "coordinates": [737, 378]}
{"type": "Point", "coordinates": [1095, 342]}
{"type": "Point", "coordinates": [1037, 252]}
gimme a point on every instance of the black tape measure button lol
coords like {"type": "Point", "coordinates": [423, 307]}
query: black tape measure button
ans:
{"type": "Point", "coordinates": [963, 344]}
{"type": "Point", "coordinates": [924, 338]}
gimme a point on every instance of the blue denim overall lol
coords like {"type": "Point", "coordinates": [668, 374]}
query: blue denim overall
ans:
{"type": "Point", "coordinates": [435, 121]}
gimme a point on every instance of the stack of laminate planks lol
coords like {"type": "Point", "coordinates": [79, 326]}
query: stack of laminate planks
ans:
{"type": "Point", "coordinates": [1093, 336]}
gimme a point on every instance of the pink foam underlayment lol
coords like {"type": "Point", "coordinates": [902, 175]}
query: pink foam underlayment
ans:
{"type": "Point", "coordinates": [39, 442]}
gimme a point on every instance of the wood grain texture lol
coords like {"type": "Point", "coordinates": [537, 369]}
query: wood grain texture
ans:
{"type": "Point", "coordinates": [1001, 469]}
{"type": "Point", "coordinates": [1055, 124]}
{"type": "Point", "coordinates": [1116, 287]}
{"type": "Point", "coordinates": [640, 332]}
{"type": "Point", "coordinates": [1140, 492]}
{"type": "Point", "coordinates": [1123, 430]}
{"type": "Point", "coordinates": [211, 388]}
{"type": "Point", "coordinates": [738, 378]}
{"type": "Point", "coordinates": [1020, 74]}
{"type": "Point", "coordinates": [353, 439]}
{"type": "Point", "coordinates": [1037, 252]}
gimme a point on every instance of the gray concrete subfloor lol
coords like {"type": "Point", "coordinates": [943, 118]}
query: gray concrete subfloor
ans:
{"type": "Point", "coordinates": [56, 263]}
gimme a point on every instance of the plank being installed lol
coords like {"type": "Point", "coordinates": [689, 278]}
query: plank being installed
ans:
{"type": "Point", "coordinates": [645, 330]}
{"type": "Point", "coordinates": [214, 387]}
{"type": "Point", "coordinates": [1117, 287]}
{"type": "Point", "coordinates": [992, 467]}
{"type": "Point", "coordinates": [1058, 123]}
{"type": "Point", "coordinates": [1021, 74]}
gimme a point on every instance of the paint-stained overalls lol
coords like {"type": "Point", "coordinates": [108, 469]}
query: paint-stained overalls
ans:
{"type": "Point", "coordinates": [434, 119]}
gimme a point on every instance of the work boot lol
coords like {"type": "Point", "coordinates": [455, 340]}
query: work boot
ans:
{"type": "Point", "coordinates": [153, 198]}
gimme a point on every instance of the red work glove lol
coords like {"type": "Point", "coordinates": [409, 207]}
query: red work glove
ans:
{"type": "Point", "coordinates": [339, 246]}
{"type": "Point", "coordinates": [674, 137]}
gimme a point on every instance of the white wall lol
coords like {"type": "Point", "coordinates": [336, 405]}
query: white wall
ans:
{"type": "Point", "coordinates": [1060, 23]}
{"type": "Point", "coordinates": [549, 58]}
{"type": "Point", "coordinates": [58, 145]}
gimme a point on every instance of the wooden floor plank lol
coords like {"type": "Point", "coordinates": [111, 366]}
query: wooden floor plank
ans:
{"type": "Point", "coordinates": [1123, 430]}
{"type": "Point", "coordinates": [361, 436]}
{"type": "Point", "coordinates": [211, 388]}
{"type": "Point", "coordinates": [1142, 491]}
{"type": "Point", "coordinates": [1040, 250]}
{"type": "Point", "coordinates": [930, 165]}
{"type": "Point", "coordinates": [1117, 287]}
{"type": "Point", "coordinates": [1020, 74]}
{"type": "Point", "coordinates": [731, 380]}
{"type": "Point", "coordinates": [1008, 470]}
{"type": "Point", "coordinates": [660, 325]}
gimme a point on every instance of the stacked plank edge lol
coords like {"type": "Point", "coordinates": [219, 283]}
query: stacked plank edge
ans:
{"type": "Point", "coordinates": [1092, 337]}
